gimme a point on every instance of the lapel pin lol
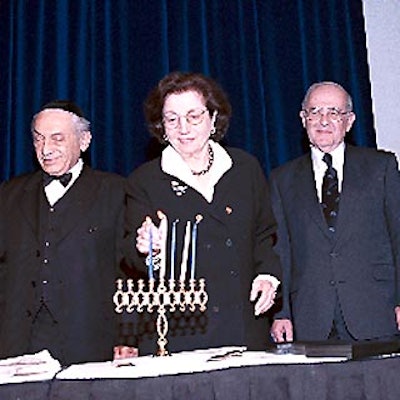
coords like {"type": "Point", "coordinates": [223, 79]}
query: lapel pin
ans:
{"type": "Point", "coordinates": [178, 188]}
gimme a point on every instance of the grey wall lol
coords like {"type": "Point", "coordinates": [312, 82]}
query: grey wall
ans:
{"type": "Point", "coordinates": [383, 43]}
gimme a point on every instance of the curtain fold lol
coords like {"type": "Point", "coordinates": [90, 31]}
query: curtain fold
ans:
{"type": "Point", "coordinates": [107, 55]}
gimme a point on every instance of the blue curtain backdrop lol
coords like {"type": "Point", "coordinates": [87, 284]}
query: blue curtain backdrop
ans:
{"type": "Point", "coordinates": [106, 55]}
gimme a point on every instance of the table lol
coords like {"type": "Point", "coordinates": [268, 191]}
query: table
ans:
{"type": "Point", "coordinates": [373, 379]}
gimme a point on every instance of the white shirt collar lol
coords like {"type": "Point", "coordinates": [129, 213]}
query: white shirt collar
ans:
{"type": "Point", "coordinates": [55, 190]}
{"type": "Point", "coordinates": [319, 166]}
{"type": "Point", "coordinates": [173, 164]}
{"type": "Point", "coordinates": [337, 157]}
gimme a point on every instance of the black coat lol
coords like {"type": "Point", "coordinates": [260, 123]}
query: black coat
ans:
{"type": "Point", "coordinates": [234, 245]}
{"type": "Point", "coordinates": [360, 262]}
{"type": "Point", "coordinates": [81, 262]}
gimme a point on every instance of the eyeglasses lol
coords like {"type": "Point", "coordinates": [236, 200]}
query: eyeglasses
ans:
{"type": "Point", "coordinates": [171, 120]}
{"type": "Point", "coordinates": [333, 113]}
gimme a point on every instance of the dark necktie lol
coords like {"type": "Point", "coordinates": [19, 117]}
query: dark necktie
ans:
{"type": "Point", "coordinates": [64, 178]}
{"type": "Point", "coordinates": [330, 193]}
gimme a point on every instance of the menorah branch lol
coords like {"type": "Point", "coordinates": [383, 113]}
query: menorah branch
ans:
{"type": "Point", "coordinates": [164, 298]}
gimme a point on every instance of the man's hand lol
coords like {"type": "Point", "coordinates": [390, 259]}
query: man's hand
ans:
{"type": "Point", "coordinates": [282, 330]}
{"type": "Point", "coordinates": [266, 292]}
{"type": "Point", "coordinates": [397, 312]}
{"type": "Point", "coordinates": [124, 352]}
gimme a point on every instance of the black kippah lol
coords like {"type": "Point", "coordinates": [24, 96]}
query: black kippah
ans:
{"type": "Point", "coordinates": [65, 105]}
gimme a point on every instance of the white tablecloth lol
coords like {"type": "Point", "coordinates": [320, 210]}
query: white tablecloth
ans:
{"type": "Point", "coordinates": [185, 363]}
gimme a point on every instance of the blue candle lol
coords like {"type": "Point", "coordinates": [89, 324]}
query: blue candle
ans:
{"type": "Point", "coordinates": [194, 244]}
{"type": "Point", "coordinates": [151, 266]}
{"type": "Point", "coordinates": [193, 259]}
{"type": "Point", "coordinates": [173, 248]}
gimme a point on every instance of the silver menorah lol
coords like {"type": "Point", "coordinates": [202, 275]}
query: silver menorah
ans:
{"type": "Point", "coordinates": [164, 297]}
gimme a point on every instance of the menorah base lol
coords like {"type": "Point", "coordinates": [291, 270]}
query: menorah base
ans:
{"type": "Point", "coordinates": [162, 353]}
{"type": "Point", "coordinates": [162, 297]}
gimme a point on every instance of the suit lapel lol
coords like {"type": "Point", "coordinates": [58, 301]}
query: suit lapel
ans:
{"type": "Point", "coordinates": [30, 202]}
{"type": "Point", "coordinates": [73, 205]}
{"type": "Point", "coordinates": [353, 183]}
{"type": "Point", "coordinates": [306, 193]}
{"type": "Point", "coordinates": [77, 202]}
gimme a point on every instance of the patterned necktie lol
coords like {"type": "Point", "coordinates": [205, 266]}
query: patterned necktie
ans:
{"type": "Point", "coordinates": [64, 178]}
{"type": "Point", "coordinates": [330, 193]}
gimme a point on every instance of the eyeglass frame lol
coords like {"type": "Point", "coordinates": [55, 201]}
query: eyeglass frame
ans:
{"type": "Point", "coordinates": [178, 118]}
{"type": "Point", "coordinates": [314, 113]}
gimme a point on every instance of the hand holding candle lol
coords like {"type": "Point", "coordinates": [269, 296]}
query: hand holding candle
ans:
{"type": "Point", "coordinates": [151, 240]}
{"type": "Point", "coordinates": [143, 236]}
{"type": "Point", "coordinates": [154, 240]}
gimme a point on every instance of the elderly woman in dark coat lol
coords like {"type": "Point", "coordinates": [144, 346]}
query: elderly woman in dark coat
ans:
{"type": "Point", "coordinates": [225, 189]}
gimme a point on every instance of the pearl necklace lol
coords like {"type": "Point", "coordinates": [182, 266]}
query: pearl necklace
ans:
{"type": "Point", "coordinates": [209, 164]}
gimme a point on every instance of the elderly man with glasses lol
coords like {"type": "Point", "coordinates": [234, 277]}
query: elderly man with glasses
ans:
{"type": "Point", "coordinates": [338, 214]}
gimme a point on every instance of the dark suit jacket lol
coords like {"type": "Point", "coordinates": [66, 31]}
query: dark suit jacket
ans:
{"type": "Point", "coordinates": [359, 263]}
{"type": "Point", "coordinates": [234, 245]}
{"type": "Point", "coordinates": [83, 258]}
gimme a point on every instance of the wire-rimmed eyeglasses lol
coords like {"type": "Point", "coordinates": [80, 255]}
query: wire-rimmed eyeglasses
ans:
{"type": "Point", "coordinates": [333, 113]}
{"type": "Point", "coordinates": [171, 120]}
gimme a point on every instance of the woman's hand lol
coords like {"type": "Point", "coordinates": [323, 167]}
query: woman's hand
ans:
{"type": "Point", "coordinates": [158, 233]}
{"type": "Point", "coordinates": [265, 292]}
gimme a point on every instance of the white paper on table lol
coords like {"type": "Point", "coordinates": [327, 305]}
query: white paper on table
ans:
{"type": "Point", "coordinates": [29, 367]}
{"type": "Point", "coordinates": [185, 362]}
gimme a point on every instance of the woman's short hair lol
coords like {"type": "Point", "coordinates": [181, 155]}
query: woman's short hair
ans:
{"type": "Point", "coordinates": [179, 82]}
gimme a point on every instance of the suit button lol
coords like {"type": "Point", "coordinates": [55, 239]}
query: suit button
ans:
{"type": "Point", "coordinates": [228, 242]}
{"type": "Point", "coordinates": [45, 261]}
{"type": "Point", "coordinates": [233, 273]}
{"type": "Point", "coordinates": [215, 309]}
{"type": "Point", "coordinates": [333, 254]}
{"type": "Point", "coordinates": [332, 283]}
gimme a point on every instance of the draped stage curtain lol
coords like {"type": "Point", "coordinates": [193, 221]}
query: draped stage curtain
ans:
{"type": "Point", "coordinates": [107, 54]}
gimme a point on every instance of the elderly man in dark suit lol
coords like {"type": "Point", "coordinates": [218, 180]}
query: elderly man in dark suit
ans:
{"type": "Point", "coordinates": [338, 212]}
{"type": "Point", "coordinates": [60, 230]}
